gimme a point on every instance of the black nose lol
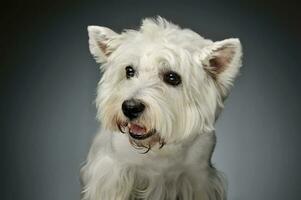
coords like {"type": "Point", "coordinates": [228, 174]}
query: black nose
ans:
{"type": "Point", "coordinates": [132, 108]}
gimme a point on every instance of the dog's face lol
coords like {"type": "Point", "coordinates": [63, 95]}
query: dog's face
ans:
{"type": "Point", "coordinates": [161, 84]}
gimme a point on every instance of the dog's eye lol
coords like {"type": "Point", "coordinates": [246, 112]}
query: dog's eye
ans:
{"type": "Point", "coordinates": [130, 72]}
{"type": "Point", "coordinates": [172, 78]}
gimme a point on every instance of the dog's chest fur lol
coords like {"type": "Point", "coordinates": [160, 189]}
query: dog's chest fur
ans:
{"type": "Point", "coordinates": [178, 172]}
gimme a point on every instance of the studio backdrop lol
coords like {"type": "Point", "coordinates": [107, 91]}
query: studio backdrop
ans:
{"type": "Point", "coordinates": [48, 86]}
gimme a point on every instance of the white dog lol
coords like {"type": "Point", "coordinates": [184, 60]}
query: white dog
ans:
{"type": "Point", "coordinates": [161, 91]}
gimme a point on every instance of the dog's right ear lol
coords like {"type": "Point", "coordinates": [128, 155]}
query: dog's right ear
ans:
{"type": "Point", "coordinates": [102, 42]}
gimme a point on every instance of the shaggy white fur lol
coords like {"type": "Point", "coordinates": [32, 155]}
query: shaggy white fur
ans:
{"type": "Point", "coordinates": [175, 161]}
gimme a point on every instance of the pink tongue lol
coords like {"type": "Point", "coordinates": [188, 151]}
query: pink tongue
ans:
{"type": "Point", "coordinates": [137, 130]}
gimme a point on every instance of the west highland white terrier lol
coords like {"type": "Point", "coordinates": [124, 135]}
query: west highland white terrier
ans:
{"type": "Point", "coordinates": [161, 91]}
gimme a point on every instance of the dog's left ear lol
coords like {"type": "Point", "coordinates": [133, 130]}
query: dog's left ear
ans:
{"type": "Point", "coordinates": [102, 42]}
{"type": "Point", "coordinates": [222, 60]}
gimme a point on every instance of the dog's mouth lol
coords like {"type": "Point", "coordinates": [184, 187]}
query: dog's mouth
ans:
{"type": "Point", "coordinates": [135, 130]}
{"type": "Point", "coordinates": [139, 132]}
{"type": "Point", "coordinates": [140, 136]}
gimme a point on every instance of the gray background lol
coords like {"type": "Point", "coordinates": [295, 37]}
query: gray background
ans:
{"type": "Point", "coordinates": [48, 82]}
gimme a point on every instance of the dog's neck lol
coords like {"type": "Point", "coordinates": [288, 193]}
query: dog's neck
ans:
{"type": "Point", "coordinates": [193, 150]}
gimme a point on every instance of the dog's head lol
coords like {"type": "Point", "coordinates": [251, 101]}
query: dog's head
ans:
{"type": "Point", "coordinates": [161, 84]}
